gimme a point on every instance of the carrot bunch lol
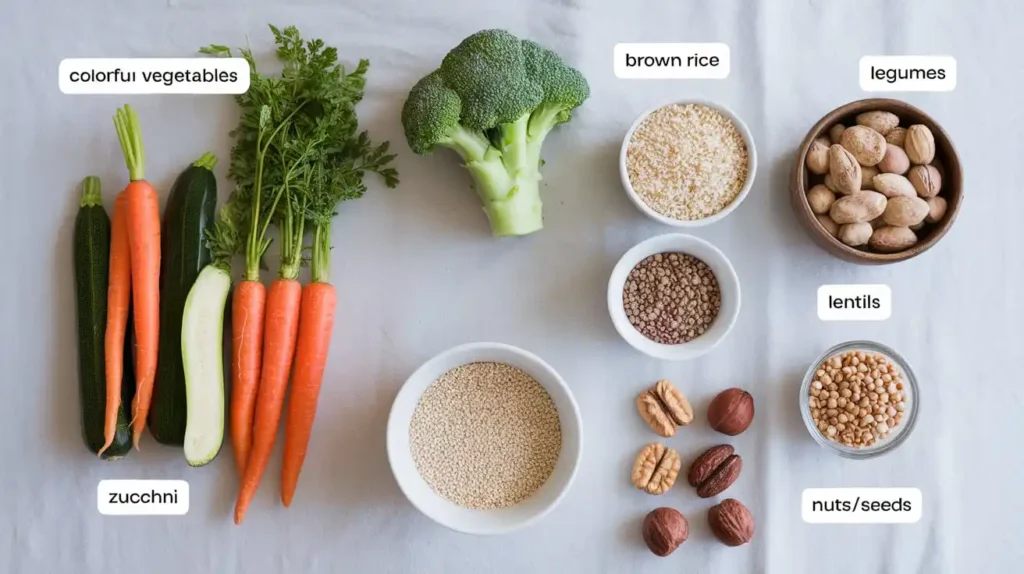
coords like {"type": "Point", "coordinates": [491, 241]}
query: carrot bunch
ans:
{"type": "Point", "coordinates": [134, 270]}
{"type": "Point", "coordinates": [297, 154]}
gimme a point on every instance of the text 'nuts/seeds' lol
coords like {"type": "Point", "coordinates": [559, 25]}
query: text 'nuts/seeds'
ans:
{"type": "Point", "coordinates": [715, 470]}
{"type": "Point", "coordinates": [731, 522]}
{"type": "Point", "coordinates": [664, 408]}
{"type": "Point", "coordinates": [664, 530]}
{"type": "Point", "coordinates": [656, 468]}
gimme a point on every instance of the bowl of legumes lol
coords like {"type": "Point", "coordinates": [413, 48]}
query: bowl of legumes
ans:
{"type": "Point", "coordinates": [860, 399]}
{"type": "Point", "coordinates": [484, 438]}
{"type": "Point", "coordinates": [688, 163]}
{"type": "Point", "coordinates": [674, 296]}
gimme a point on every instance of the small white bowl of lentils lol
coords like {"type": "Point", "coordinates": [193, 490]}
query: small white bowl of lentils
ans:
{"type": "Point", "coordinates": [689, 163]}
{"type": "Point", "coordinates": [860, 399]}
{"type": "Point", "coordinates": [484, 438]}
{"type": "Point", "coordinates": [674, 297]}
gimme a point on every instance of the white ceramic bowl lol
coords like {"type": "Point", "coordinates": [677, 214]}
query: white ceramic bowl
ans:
{"type": "Point", "coordinates": [728, 283]}
{"type": "Point", "coordinates": [648, 210]}
{"type": "Point", "coordinates": [448, 513]}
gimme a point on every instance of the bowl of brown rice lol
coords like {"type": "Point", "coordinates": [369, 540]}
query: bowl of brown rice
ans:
{"type": "Point", "coordinates": [689, 163]}
{"type": "Point", "coordinates": [484, 438]}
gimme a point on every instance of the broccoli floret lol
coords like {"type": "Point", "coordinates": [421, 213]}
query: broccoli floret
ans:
{"type": "Point", "coordinates": [493, 100]}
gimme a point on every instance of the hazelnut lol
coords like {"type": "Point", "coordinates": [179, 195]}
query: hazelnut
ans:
{"type": "Point", "coordinates": [664, 530]}
{"type": "Point", "coordinates": [731, 522]}
{"type": "Point", "coordinates": [731, 412]}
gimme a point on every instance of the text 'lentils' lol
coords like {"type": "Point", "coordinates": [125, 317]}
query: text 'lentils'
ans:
{"type": "Point", "coordinates": [485, 435]}
{"type": "Point", "coordinates": [687, 161]}
{"type": "Point", "coordinates": [671, 298]}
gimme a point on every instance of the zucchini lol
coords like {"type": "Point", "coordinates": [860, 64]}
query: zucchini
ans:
{"type": "Point", "coordinates": [202, 348]}
{"type": "Point", "coordinates": [92, 265]}
{"type": "Point", "coordinates": [187, 219]}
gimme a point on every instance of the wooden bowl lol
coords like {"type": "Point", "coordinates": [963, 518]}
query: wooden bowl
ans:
{"type": "Point", "coordinates": [947, 161]}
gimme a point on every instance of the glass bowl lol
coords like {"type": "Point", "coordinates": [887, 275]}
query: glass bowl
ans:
{"type": "Point", "coordinates": [911, 401]}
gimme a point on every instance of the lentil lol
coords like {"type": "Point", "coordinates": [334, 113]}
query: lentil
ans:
{"type": "Point", "coordinates": [881, 406]}
{"type": "Point", "coordinates": [687, 161]}
{"type": "Point", "coordinates": [485, 435]}
{"type": "Point", "coordinates": [671, 298]}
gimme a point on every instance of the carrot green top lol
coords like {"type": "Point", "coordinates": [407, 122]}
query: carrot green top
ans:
{"type": "Point", "coordinates": [130, 135]}
{"type": "Point", "coordinates": [91, 192]}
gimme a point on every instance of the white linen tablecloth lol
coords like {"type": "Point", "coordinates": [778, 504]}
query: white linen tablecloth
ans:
{"type": "Point", "coordinates": [417, 272]}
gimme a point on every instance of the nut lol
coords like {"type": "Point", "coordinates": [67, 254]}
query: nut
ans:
{"type": "Point", "coordinates": [830, 184]}
{"type": "Point", "coordinates": [830, 226]}
{"type": "Point", "coordinates": [858, 207]}
{"type": "Point", "coordinates": [895, 160]}
{"type": "Point", "coordinates": [664, 530]}
{"type": "Point", "coordinates": [920, 144]}
{"type": "Point", "coordinates": [936, 209]}
{"type": "Point", "coordinates": [844, 169]}
{"type": "Point", "coordinates": [817, 156]}
{"type": "Point", "coordinates": [715, 470]}
{"type": "Point", "coordinates": [663, 407]}
{"type": "Point", "coordinates": [867, 145]}
{"type": "Point", "coordinates": [881, 122]}
{"type": "Point", "coordinates": [656, 468]}
{"type": "Point", "coordinates": [926, 179]}
{"type": "Point", "coordinates": [898, 136]}
{"type": "Point", "coordinates": [731, 411]}
{"type": "Point", "coordinates": [855, 234]}
{"type": "Point", "coordinates": [867, 174]}
{"type": "Point", "coordinates": [835, 133]}
{"type": "Point", "coordinates": [905, 211]}
{"type": "Point", "coordinates": [820, 198]}
{"type": "Point", "coordinates": [891, 239]}
{"type": "Point", "coordinates": [731, 522]}
{"type": "Point", "coordinates": [893, 185]}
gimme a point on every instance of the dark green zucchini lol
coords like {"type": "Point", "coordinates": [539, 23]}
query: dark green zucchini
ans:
{"type": "Point", "coordinates": [92, 264]}
{"type": "Point", "coordinates": [187, 217]}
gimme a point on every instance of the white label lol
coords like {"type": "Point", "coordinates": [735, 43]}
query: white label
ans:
{"type": "Point", "coordinates": [861, 505]}
{"type": "Point", "coordinates": [154, 75]}
{"type": "Point", "coordinates": [142, 497]}
{"type": "Point", "coordinates": [907, 73]}
{"type": "Point", "coordinates": [672, 61]}
{"type": "Point", "coordinates": [854, 302]}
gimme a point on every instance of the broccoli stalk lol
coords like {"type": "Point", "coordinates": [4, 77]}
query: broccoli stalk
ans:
{"type": "Point", "coordinates": [494, 100]}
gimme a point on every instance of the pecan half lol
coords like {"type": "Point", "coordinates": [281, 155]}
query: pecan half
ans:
{"type": "Point", "coordinates": [715, 470]}
{"type": "Point", "coordinates": [656, 468]}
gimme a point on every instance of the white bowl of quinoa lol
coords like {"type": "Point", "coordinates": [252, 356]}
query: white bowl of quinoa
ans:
{"type": "Point", "coordinates": [689, 163]}
{"type": "Point", "coordinates": [484, 438]}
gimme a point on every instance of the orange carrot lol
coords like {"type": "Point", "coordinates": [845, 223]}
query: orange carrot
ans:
{"type": "Point", "coordinates": [280, 332]}
{"type": "Point", "coordinates": [143, 223]}
{"type": "Point", "coordinates": [118, 292]}
{"type": "Point", "coordinates": [247, 308]}
{"type": "Point", "coordinates": [316, 320]}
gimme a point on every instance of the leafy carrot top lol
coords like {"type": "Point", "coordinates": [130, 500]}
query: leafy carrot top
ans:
{"type": "Point", "coordinates": [297, 152]}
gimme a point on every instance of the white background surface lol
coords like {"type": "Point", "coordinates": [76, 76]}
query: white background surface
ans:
{"type": "Point", "coordinates": [417, 273]}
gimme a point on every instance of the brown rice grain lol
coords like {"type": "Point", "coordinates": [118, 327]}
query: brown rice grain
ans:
{"type": "Point", "coordinates": [687, 161]}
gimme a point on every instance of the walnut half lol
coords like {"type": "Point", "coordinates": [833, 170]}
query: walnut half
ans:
{"type": "Point", "coordinates": [664, 408]}
{"type": "Point", "coordinates": [656, 468]}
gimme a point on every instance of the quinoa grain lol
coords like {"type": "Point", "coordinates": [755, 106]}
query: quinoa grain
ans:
{"type": "Point", "coordinates": [485, 435]}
